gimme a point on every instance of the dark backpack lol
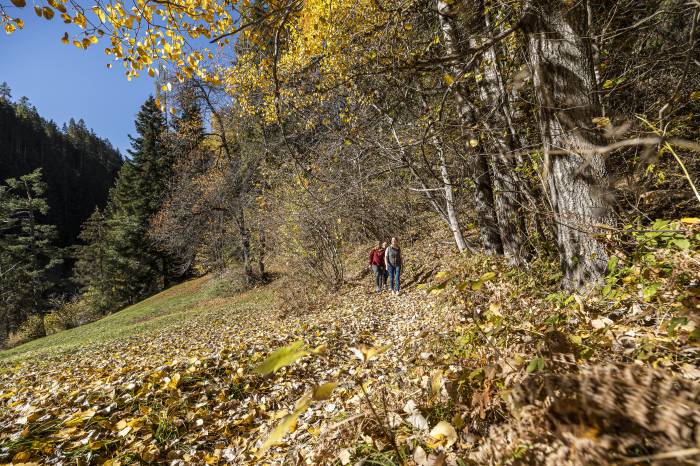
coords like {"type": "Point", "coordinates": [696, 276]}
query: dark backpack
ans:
{"type": "Point", "coordinates": [393, 256]}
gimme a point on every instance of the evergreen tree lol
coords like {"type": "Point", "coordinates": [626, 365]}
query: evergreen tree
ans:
{"type": "Point", "coordinates": [27, 250]}
{"type": "Point", "coordinates": [150, 157]}
{"type": "Point", "coordinates": [5, 92]}
{"type": "Point", "coordinates": [129, 266]}
{"type": "Point", "coordinates": [92, 266]}
{"type": "Point", "coordinates": [78, 166]}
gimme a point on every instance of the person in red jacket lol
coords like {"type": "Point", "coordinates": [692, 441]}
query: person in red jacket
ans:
{"type": "Point", "coordinates": [376, 263]}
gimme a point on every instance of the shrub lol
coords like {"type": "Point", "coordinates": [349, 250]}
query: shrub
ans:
{"type": "Point", "coordinates": [70, 314]}
{"type": "Point", "coordinates": [30, 329]}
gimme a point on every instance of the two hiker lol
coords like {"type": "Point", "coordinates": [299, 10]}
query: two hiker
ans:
{"type": "Point", "coordinates": [386, 264]}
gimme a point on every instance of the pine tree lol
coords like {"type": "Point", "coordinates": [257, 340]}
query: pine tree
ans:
{"type": "Point", "coordinates": [150, 157]}
{"type": "Point", "coordinates": [5, 92]}
{"type": "Point", "coordinates": [27, 250]}
{"type": "Point", "coordinates": [92, 266]}
{"type": "Point", "coordinates": [130, 266]}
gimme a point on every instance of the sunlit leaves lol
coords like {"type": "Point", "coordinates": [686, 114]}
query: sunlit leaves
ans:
{"type": "Point", "coordinates": [282, 357]}
{"type": "Point", "coordinates": [57, 5]}
{"type": "Point", "coordinates": [80, 20]}
{"type": "Point", "coordinates": [324, 391]}
{"type": "Point", "coordinates": [367, 353]}
{"type": "Point", "coordinates": [287, 424]}
{"type": "Point", "coordinates": [99, 13]}
{"type": "Point", "coordinates": [536, 364]}
{"type": "Point", "coordinates": [47, 12]}
{"type": "Point", "coordinates": [443, 434]}
{"type": "Point", "coordinates": [19, 3]}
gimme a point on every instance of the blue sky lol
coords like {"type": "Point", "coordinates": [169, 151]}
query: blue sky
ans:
{"type": "Point", "coordinates": [63, 81]}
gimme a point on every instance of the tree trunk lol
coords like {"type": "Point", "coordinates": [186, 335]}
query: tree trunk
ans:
{"type": "Point", "coordinates": [452, 220]}
{"type": "Point", "coordinates": [563, 77]}
{"type": "Point", "coordinates": [262, 252]}
{"type": "Point", "coordinates": [245, 245]}
{"type": "Point", "coordinates": [483, 204]}
{"type": "Point", "coordinates": [448, 213]}
{"type": "Point", "coordinates": [508, 200]}
{"type": "Point", "coordinates": [483, 190]}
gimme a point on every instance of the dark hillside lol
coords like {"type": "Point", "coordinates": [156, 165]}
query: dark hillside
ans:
{"type": "Point", "coordinates": [78, 166]}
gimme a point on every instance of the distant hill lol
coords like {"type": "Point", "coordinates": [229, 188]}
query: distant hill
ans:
{"type": "Point", "coordinates": [78, 166]}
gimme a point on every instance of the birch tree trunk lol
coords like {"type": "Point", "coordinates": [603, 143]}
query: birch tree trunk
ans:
{"type": "Point", "coordinates": [451, 214]}
{"type": "Point", "coordinates": [483, 189]}
{"type": "Point", "coordinates": [562, 71]}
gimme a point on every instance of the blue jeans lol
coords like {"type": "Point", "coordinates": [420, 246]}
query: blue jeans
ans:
{"type": "Point", "coordinates": [394, 277]}
{"type": "Point", "coordinates": [378, 276]}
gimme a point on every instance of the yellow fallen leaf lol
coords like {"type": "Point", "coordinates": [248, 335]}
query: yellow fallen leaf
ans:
{"type": "Point", "coordinates": [324, 391]}
{"type": "Point", "coordinates": [282, 357]}
{"type": "Point", "coordinates": [21, 457]}
{"type": "Point", "coordinates": [601, 122]}
{"type": "Point", "coordinates": [444, 434]}
{"type": "Point", "coordinates": [436, 382]}
{"type": "Point", "coordinates": [287, 424]}
{"type": "Point", "coordinates": [365, 353]}
{"type": "Point", "coordinates": [79, 418]}
{"type": "Point", "coordinates": [173, 382]}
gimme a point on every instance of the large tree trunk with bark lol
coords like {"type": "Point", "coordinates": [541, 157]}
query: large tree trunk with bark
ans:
{"type": "Point", "coordinates": [562, 71]}
{"type": "Point", "coordinates": [484, 207]}
{"type": "Point", "coordinates": [483, 189]}
{"type": "Point", "coordinates": [508, 200]}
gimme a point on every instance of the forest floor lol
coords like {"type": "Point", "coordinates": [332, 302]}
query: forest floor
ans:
{"type": "Point", "coordinates": [452, 371]}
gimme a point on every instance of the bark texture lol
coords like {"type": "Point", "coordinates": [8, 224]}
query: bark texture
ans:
{"type": "Point", "coordinates": [483, 189]}
{"type": "Point", "coordinates": [562, 71]}
{"type": "Point", "coordinates": [245, 244]}
{"type": "Point", "coordinates": [508, 200]}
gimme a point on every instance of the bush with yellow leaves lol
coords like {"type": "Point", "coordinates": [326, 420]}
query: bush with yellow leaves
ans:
{"type": "Point", "coordinates": [30, 329]}
{"type": "Point", "coordinates": [69, 315]}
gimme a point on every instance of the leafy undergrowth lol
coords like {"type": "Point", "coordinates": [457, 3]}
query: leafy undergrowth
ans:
{"type": "Point", "coordinates": [476, 363]}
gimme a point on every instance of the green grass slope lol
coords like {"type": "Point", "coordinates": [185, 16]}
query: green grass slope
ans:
{"type": "Point", "coordinates": [173, 306]}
